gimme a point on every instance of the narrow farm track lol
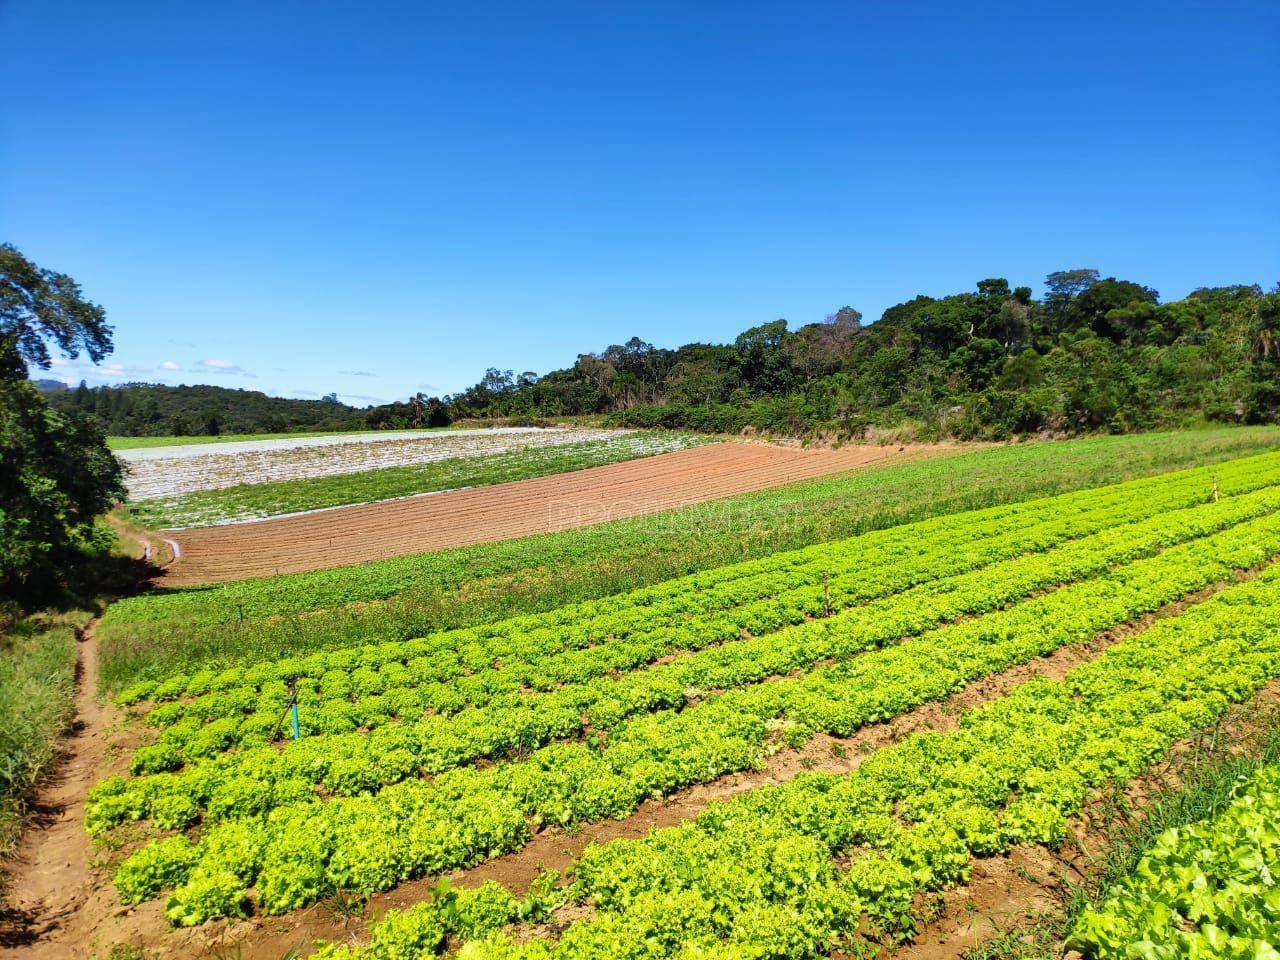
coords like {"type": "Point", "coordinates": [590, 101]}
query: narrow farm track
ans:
{"type": "Point", "coordinates": [51, 882]}
{"type": "Point", "coordinates": [376, 531]}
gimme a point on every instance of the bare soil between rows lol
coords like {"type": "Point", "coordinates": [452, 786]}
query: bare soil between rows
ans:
{"type": "Point", "coordinates": [1026, 890]}
{"type": "Point", "coordinates": [457, 518]}
{"type": "Point", "coordinates": [61, 904]}
{"type": "Point", "coordinates": [999, 895]}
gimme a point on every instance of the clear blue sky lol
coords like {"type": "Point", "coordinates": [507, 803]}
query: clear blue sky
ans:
{"type": "Point", "coordinates": [380, 197]}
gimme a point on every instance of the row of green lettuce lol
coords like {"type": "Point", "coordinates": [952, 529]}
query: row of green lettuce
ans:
{"type": "Point", "coordinates": [527, 719]}
{"type": "Point", "coordinates": [436, 743]}
{"type": "Point", "coordinates": [293, 844]}
{"type": "Point", "coordinates": [1206, 889]}
{"type": "Point", "coordinates": [449, 671]}
{"type": "Point", "coordinates": [826, 862]}
{"type": "Point", "coordinates": [293, 615]}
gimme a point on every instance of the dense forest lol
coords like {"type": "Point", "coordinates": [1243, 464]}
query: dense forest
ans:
{"type": "Point", "coordinates": [147, 409]}
{"type": "Point", "coordinates": [1095, 354]}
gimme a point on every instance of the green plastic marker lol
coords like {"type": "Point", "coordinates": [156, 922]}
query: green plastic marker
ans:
{"type": "Point", "coordinates": [293, 709]}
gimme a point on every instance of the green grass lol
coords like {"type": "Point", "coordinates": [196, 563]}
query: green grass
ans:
{"type": "Point", "coordinates": [138, 443]}
{"type": "Point", "coordinates": [37, 688]}
{"type": "Point", "coordinates": [257, 500]}
{"type": "Point", "coordinates": [411, 596]}
{"type": "Point", "coordinates": [1209, 776]}
{"type": "Point", "coordinates": [1043, 942]}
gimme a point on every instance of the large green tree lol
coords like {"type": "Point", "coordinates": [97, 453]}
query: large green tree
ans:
{"type": "Point", "coordinates": [38, 306]}
{"type": "Point", "coordinates": [56, 473]}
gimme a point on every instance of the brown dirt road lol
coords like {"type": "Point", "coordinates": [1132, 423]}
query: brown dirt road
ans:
{"type": "Point", "coordinates": [394, 528]}
{"type": "Point", "coordinates": [52, 882]}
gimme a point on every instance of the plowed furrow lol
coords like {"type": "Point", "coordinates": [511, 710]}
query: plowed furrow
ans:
{"type": "Point", "coordinates": [367, 532]}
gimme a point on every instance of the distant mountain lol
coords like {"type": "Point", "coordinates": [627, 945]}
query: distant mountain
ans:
{"type": "Point", "coordinates": [45, 385]}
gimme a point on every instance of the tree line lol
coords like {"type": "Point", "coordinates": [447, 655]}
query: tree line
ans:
{"type": "Point", "coordinates": [156, 410]}
{"type": "Point", "coordinates": [1093, 354]}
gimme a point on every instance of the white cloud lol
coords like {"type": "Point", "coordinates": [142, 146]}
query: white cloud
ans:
{"type": "Point", "coordinates": [170, 365]}
{"type": "Point", "coordinates": [357, 373]}
{"type": "Point", "coordinates": [224, 366]}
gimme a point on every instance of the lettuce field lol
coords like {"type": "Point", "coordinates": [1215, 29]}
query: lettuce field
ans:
{"type": "Point", "coordinates": [844, 728]}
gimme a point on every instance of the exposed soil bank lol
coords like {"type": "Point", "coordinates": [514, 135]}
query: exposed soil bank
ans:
{"type": "Point", "coordinates": [394, 528]}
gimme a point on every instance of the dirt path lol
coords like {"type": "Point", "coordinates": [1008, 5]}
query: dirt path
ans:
{"type": "Point", "coordinates": [394, 528]}
{"type": "Point", "coordinates": [143, 544]}
{"type": "Point", "coordinates": [51, 880]}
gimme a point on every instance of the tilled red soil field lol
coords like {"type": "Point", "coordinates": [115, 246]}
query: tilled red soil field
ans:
{"type": "Point", "coordinates": [394, 528]}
